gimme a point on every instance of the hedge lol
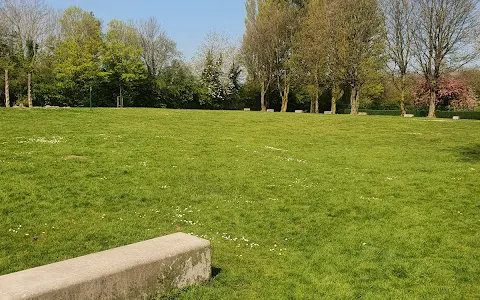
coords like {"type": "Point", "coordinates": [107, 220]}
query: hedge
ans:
{"type": "Point", "coordinates": [474, 115]}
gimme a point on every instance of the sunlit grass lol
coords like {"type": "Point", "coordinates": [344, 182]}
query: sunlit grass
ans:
{"type": "Point", "coordinates": [296, 206]}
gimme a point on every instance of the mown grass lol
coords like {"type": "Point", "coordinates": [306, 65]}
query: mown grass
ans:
{"type": "Point", "coordinates": [332, 206]}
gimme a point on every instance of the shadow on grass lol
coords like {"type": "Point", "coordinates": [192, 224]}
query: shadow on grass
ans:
{"type": "Point", "coordinates": [469, 153]}
{"type": "Point", "coordinates": [215, 272]}
{"type": "Point", "coordinates": [178, 293]}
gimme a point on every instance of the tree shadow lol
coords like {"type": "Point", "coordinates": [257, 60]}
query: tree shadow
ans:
{"type": "Point", "coordinates": [470, 153]}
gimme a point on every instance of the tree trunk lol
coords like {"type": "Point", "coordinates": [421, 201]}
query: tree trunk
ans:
{"type": "Point", "coordinates": [7, 90]}
{"type": "Point", "coordinates": [286, 92]}
{"type": "Point", "coordinates": [312, 103]}
{"type": "Point", "coordinates": [433, 103]}
{"type": "Point", "coordinates": [402, 97]}
{"type": "Point", "coordinates": [357, 101]}
{"type": "Point", "coordinates": [29, 90]}
{"type": "Point", "coordinates": [402, 105]}
{"type": "Point", "coordinates": [337, 93]}
{"type": "Point", "coordinates": [315, 93]}
{"type": "Point", "coordinates": [334, 105]}
{"type": "Point", "coordinates": [354, 101]}
{"type": "Point", "coordinates": [262, 97]}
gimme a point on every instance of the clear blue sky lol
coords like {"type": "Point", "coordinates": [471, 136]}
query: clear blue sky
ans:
{"type": "Point", "coordinates": [186, 21]}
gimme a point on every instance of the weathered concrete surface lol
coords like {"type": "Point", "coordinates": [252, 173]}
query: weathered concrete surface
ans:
{"type": "Point", "coordinates": [135, 271]}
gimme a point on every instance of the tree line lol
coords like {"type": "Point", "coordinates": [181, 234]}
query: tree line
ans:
{"type": "Point", "coordinates": [294, 54]}
{"type": "Point", "coordinates": [346, 47]}
{"type": "Point", "coordinates": [68, 59]}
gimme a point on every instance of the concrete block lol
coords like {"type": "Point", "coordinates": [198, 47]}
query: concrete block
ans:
{"type": "Point", "coordinates": [409, 116]}
{"type": "Point", "coordinates": [456, 117]}
{"type": "Point", "coordinates": [246, 109]}
{"type": "Point", "coordinates": [270, 110]}
{"type": "Point", "coordinates": [136, 271]}
{"type": "Point", "coordinates": [363, 113]}
{"type": "Point", "coordinates": [299, 111]}
{"type": "Point", "coordinates": [327, 112]}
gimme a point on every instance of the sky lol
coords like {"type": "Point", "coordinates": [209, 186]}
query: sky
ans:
{"type": "Point", "coordinates": [187, 22]}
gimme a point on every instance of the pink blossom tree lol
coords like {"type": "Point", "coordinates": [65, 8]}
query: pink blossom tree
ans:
{"type": "Point", "coordinates": [452, 92]}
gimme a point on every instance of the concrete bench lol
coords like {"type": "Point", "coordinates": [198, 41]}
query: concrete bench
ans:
{"type": "Point", "coordinates": [409, 116]}
{"type": "Point", "coordinates": [246, 109]}
{"type": "Point", "coordinates": [363, 113]}
{"type": "Point", "coordinates": [270, 110]}
{"type": "Point", "coordinates": [456, 118]}
{"type": "Point", "coordinates": [136, 271]}
{"type": "Point", "coordinates": [327, 112]}
{"type": "Point", "coordinates": [298, 111]}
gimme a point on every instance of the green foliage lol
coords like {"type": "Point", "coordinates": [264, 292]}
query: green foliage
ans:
{"type": "Point", "coordinates": [77, 56]}
{"type": "Point", "coordinates": [178, 88]}
{"type": "Point", "coordinates": [373, 89]}
{"type": "Point", "coordinates": [44, 88]}
{"type": "Point", "coordinates": [121, 57]}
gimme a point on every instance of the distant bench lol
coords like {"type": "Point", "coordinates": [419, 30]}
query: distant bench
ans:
{"type": "Point", "coordinates": [140, 270]}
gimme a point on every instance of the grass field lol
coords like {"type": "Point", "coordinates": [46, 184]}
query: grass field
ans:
{"type": "Point", "coordinates": [296, 206]}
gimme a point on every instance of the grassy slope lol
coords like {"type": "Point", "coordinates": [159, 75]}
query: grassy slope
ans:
{"type": "Point", "coordinates": [359, 206]}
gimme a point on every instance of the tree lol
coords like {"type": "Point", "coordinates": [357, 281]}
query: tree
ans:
{"type": "Point", "coordinates": [159, 51]}
{"type": "Point", "coordinates": [311, 51]}
{"type": "Point", "coordinates": [452, 93]}
{"type": "Point", "coordinates": [259, 45]}
{"type": "Point", "coordinates": [28, 21]}
{"type": "Point", "coordinates": [178, 87]}
{"type": "Point", "coordinates": [6, 52]}
{"type": "Point", "coordinates": [121, 59]}
{"type": "Point", "coordinates": [211, 81]}
{"type": "Point", "coordinates": [399, 18]}
{"type": "Point", "coordinates": [472, 77]}
{"type": "Point", "coordinates": [77, 55]}
{"type": "Point", "coordinates": [357, 39]}
{"type": "Point", "coordinates": [445, 37]}
{"type": "Point", "coordinates": [268, 44]}
{"type": "Point", "coordinates": [225, 55]}
{"type": "Point", "coordinates": [284, 25]}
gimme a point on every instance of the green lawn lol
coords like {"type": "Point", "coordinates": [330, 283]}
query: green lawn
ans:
{"type": "Point", "coordinates": [297, 206]}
